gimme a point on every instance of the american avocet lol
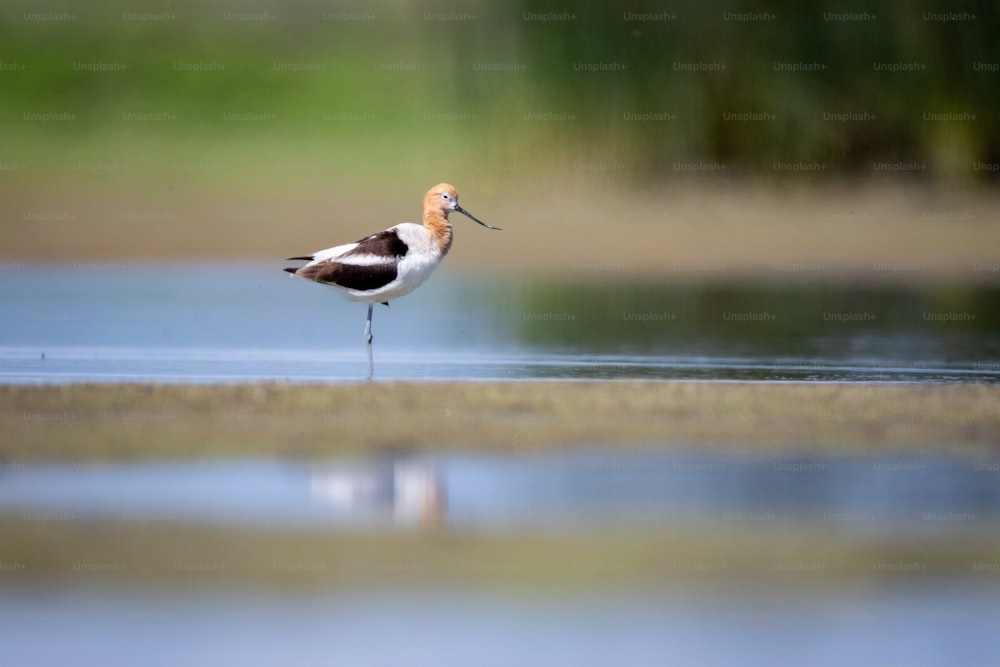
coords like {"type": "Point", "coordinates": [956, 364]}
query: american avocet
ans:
{"type": "Point", "coordinates": [391, 263]}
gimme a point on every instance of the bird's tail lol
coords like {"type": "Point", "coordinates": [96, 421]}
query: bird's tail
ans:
{"type": "Point", "coordinates": [293, 269]}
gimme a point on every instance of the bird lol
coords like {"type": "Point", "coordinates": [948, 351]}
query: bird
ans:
{"type": "Point", "coordinates": [391, 263]}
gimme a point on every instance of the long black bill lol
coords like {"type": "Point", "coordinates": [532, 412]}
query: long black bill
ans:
{"type": "Point", "coordinates": [472, 217]}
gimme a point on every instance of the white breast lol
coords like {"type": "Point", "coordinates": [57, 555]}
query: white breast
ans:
{"type": "Point", "coordinates": [422, 257]}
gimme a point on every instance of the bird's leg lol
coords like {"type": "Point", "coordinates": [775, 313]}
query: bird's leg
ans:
{"type": "Point", "coordinates": [368, 342]}
{"type": "Point", "coordinates": [368, 325]}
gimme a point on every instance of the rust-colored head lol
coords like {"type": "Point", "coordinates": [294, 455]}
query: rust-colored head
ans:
{"type": "Point", "coordinates": [442, 199]}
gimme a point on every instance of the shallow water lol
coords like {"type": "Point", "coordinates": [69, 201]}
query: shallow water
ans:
{"type": "Point", "coordinates": [922, 625]}
{"type": "Point", "coordinates": [927, 620]}
{"type": "Point", "coordinates": [249, 322]}
{"type": "Point", "coordinates": [916, 495]}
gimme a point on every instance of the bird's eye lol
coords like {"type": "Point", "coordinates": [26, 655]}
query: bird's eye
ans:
{"type": "Point", "coordinates": [445, 196]}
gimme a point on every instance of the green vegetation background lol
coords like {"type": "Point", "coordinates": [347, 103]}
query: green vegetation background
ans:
{"type": "Point", "coordinates": [377, 89]}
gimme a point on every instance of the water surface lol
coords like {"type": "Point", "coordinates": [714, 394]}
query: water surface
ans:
{"type": "Point", "coordinates": [927, 619]}
{"type": "Point", "coordinates": [248, 322]}
{"type": "Point", "coordinates": [637, 490]}
{"type": "Point", "coordinates": [929, 625]}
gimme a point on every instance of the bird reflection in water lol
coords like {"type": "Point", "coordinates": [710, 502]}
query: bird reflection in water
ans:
{"type": "Point", "coordinates": [401, 491]}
